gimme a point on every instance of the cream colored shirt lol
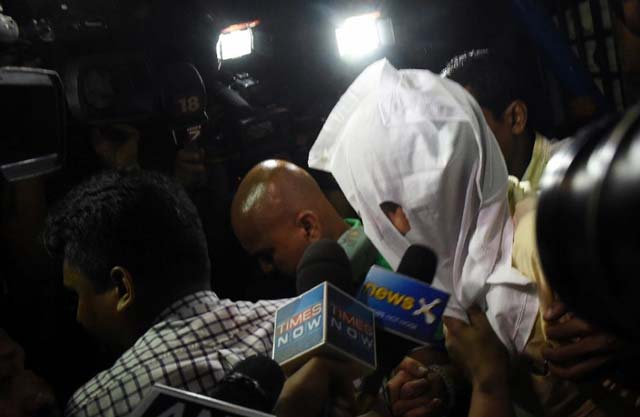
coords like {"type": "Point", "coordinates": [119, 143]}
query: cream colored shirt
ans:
{"type": "Point", "coordinates": [520, 189]}
{"type": "Point", "coordinates": [555, 397]}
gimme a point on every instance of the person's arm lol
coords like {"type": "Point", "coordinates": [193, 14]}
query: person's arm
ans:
{"type": "Point", "coordinates": [317, 383]}
{"type": "Point", "coordinates": [491, 398]}
{"type": "Point", "coordinates": [477, 350]}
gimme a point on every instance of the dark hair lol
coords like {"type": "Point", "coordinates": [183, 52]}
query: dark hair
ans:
{"type": "Point", "coordinates": [142, 221]}
{"type": "Point", "coordinates": [495, 81]}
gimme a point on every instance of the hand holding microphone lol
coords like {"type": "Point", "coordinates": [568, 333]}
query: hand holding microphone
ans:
{"type": "Point", "coordinates": [316, 383]}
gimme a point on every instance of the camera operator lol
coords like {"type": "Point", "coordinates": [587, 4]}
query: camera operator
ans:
{"type": "Point", "coordinates": [118, 147]}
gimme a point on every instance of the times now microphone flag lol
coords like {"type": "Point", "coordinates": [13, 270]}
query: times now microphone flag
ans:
{"type": "Point", "coordinates": [325, 321]}
{"type": "Point", "coordinates": [404, 306]}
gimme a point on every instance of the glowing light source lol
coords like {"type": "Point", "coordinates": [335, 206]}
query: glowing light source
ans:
{"type": "Point", "coordinates": [236, 41]}
{"type": "Point", "coordinates": [358, 35]}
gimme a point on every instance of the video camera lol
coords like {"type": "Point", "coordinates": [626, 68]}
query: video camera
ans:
{"type": "Point", "coordinates": [128, 71]}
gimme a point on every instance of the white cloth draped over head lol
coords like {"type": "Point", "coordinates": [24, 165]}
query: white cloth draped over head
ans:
{"type": "Point", "coordinates": [421, 141]}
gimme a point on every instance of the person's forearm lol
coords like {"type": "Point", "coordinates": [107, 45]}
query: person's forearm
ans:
{"type": "Point", "coordinates": [491, 399]}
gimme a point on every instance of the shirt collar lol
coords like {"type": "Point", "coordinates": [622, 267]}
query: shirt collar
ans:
{"type": "Point", "coordinates": [189, 305]}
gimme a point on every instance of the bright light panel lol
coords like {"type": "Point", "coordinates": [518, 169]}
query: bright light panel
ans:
{"type": "Point", "coordinates": [235, 44]}
{"type": "Point", "coordinates": [358, 35]}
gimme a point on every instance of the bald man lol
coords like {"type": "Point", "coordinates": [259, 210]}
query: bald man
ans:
{"type": "Point", "coordinates": [279, 210]}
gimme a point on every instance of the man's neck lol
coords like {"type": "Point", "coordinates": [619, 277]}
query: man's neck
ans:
{"type": "Point", "coordinates": [143, 317]}
{"type": "Point", "coordinates": [336, 227]}
{"type": "Point", "coordinates": [523, 152]}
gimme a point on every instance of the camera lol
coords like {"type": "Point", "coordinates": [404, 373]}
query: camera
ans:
{"type": "Point", "coordinates": [148, 64]}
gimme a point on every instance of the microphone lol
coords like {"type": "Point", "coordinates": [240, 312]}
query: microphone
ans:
{"type": "Point", "coordinates": [324, 260]}
{"type": "Point", "coordinates": [419, 262]}
{"type": "Point", "coordinates": [406, 306]}
{"type": "Point", "coordinates": [324, 319]}
{"type": "Point", "coordinates": [408, 311]}
{"type": "Point", "coordinates": [254, 382]}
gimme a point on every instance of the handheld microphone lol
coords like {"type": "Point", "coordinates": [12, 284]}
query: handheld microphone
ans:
{"type": "Point", "coordinates": [400, 302]}
{"type": "Point", "coordinates": [419, 262]}
{"type": "Point", "coordinates": [254, 382]}
{"type": "Point", "coordinates": [324, 260]}
{"type": "Point", "coordinates": [407, 307]}
{"type": "Point", "coordinates": [324, 319]}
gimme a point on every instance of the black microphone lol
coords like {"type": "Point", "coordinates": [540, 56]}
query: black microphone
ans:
{"type": "Point", "coordinates": [419, 262]}
{"type": "Point", "coordinates": [324, 260]}
{"type": "Point", "coordinates": [253, 383]}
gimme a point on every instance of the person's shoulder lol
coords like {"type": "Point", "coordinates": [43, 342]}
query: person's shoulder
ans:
{"type": "Point", "coordinates": [263, 310]}
{"type": "Point", "coordinates": [269, 305]}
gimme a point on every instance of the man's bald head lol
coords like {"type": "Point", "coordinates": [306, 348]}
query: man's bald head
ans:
{"type": "Point", "coordinates": [278, 210]}
{"type": "Point", "coordinates": [276, 185]}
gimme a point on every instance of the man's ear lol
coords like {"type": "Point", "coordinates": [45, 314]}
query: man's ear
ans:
{"type": "Point", "coordinates": [518, 116]}
{"type": "Point", "coordinates": [309, 221]}
{"type": "Point", "coordinates": [121, 277]}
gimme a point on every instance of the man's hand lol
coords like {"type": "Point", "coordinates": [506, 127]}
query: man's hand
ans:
{"type": "Point", "coordinates": [319, 382]}
{"type": "Point", "coordinates": [416, 392]}
{"type": "Point", "coordinates": [190, 169]}
{"type": "Point", "coordinates": [22, 393]}
{"type": "Point", "coordinates": [116, 146]}
{"type": "Point", "coordinates": [476, 348]}
{"type": "Point", "coordinates": [581, 348]}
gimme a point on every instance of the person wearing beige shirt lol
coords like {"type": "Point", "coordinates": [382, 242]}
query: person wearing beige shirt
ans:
{"type": "Point", "coordinates": [563, 349]}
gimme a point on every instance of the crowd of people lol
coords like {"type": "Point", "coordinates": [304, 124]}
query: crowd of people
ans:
{"type": "Point", "coordinates": [450, 161]}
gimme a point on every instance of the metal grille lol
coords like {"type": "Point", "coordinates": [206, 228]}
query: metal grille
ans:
{"type": "Point", "coordinates": [588, 25]}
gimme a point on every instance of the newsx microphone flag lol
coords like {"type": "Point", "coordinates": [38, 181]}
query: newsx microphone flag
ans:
{"type": "Point", "coordinates": [403, 305]}
{"type": "Point", "coordinates": [324, 320]}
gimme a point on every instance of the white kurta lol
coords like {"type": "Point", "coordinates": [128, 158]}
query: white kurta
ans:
{"type": "Point", "coordinates": [420, 141]}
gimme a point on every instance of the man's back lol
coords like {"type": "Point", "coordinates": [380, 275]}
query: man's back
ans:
{"type": "Point", "coordinates": [190, 346]}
